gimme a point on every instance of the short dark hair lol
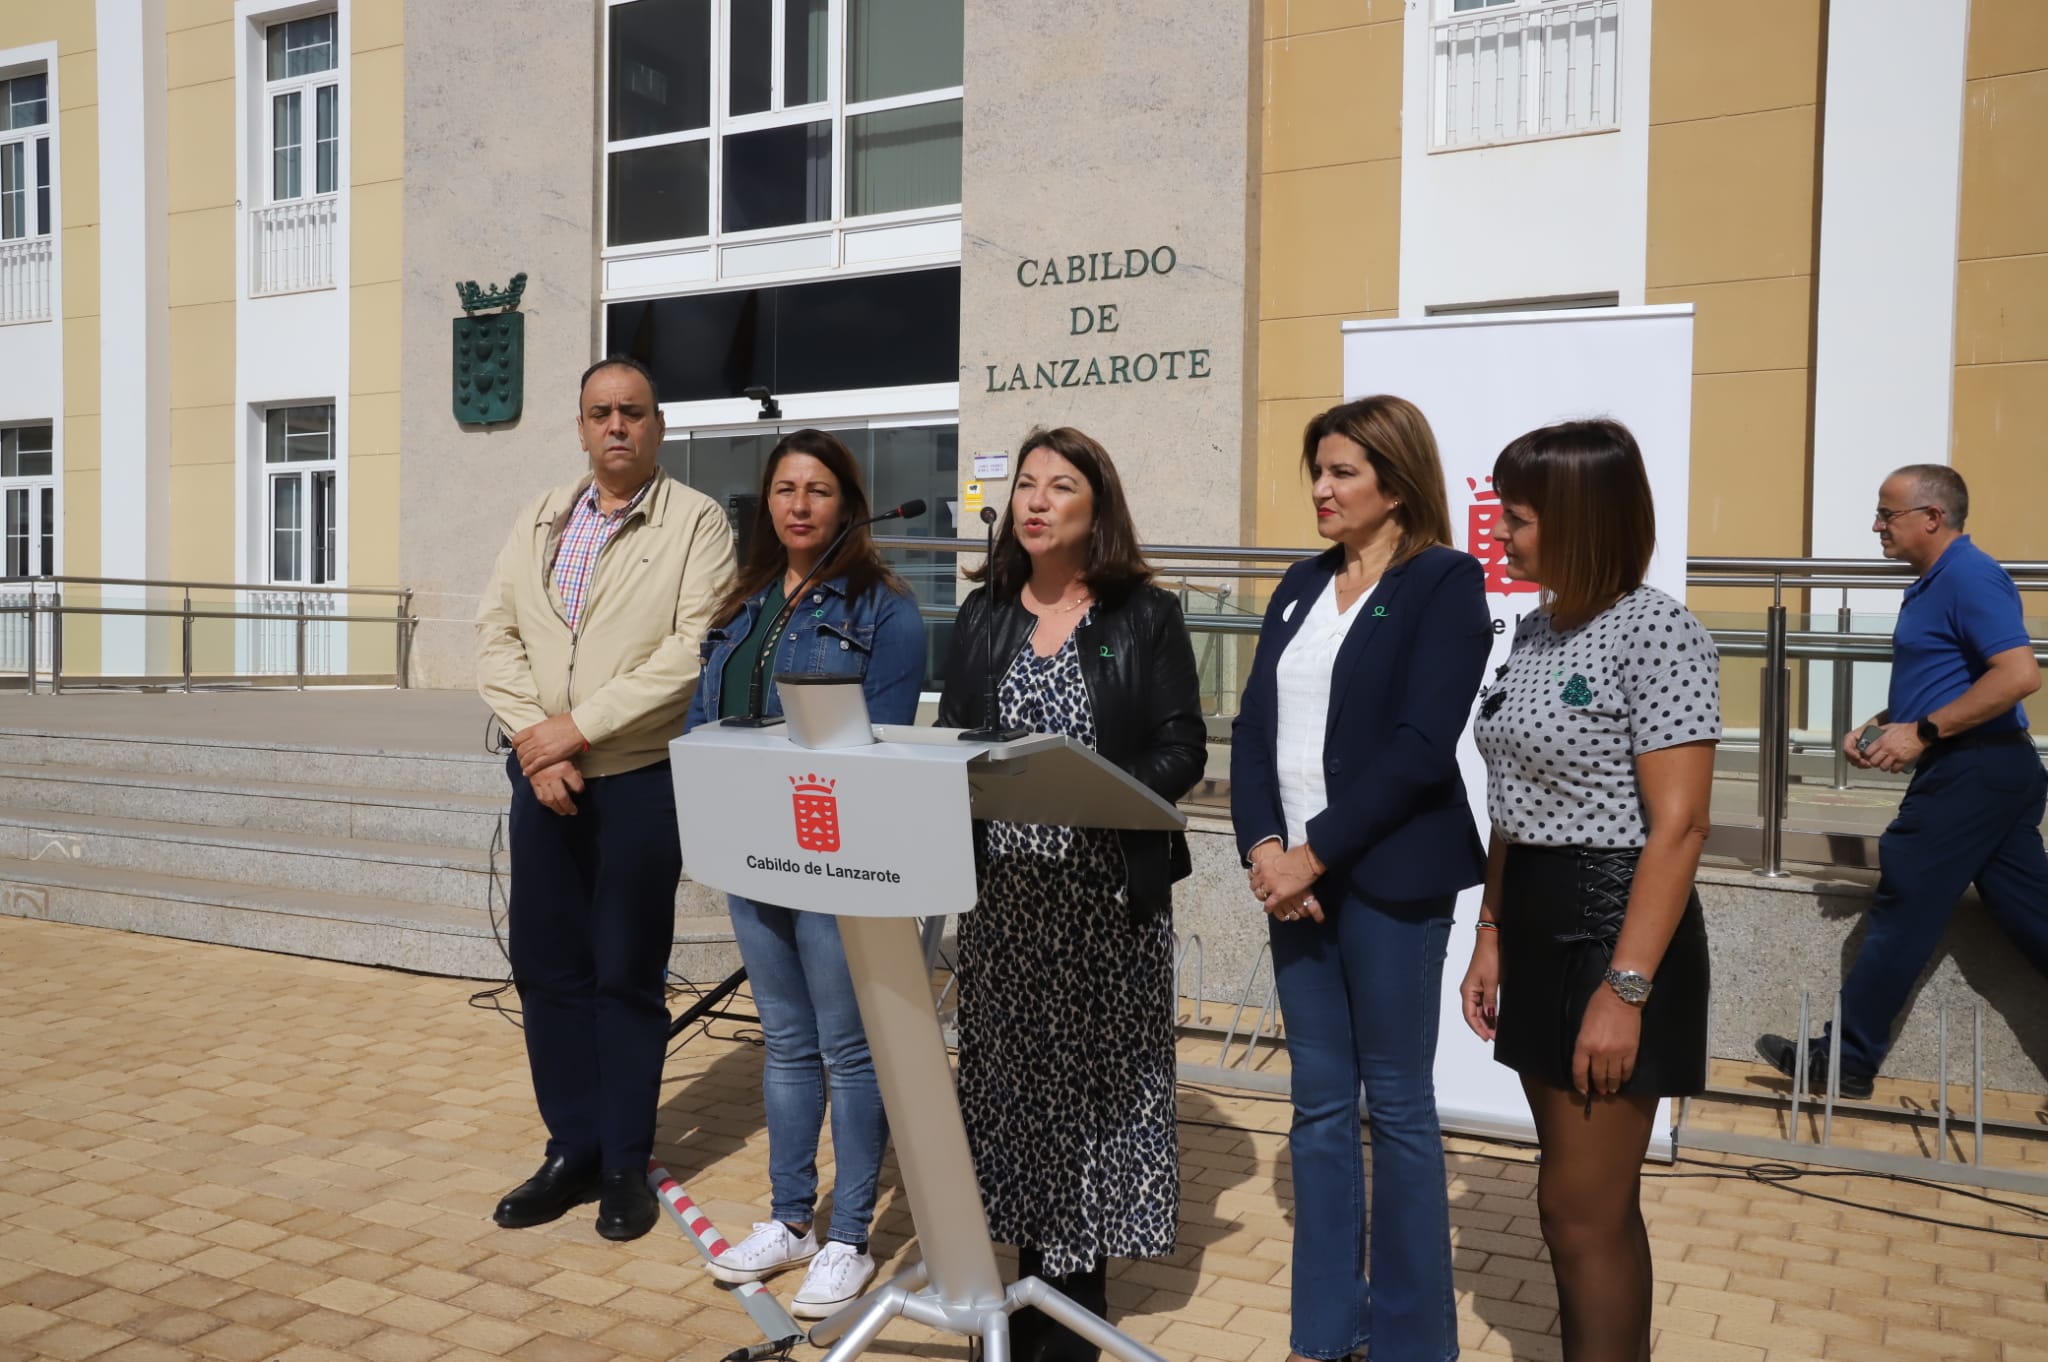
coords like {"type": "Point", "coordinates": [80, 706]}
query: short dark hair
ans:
{"type": "Point", "coordinates": [858, 560]}
{"type": "Point", "coordinates": [618, 362]}
{"type": "Point", "coordinates": [1115, 562]}
{"type": "Point", "coordinates": [1589, 489]}
{"type": "Point", "coordinates": [1401, 448]}
{"type": "Point", "coordinates": [1940, 486]}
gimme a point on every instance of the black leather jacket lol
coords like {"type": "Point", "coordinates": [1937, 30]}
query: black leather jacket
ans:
{"type": "Point", "coordinates": [1139, 666]}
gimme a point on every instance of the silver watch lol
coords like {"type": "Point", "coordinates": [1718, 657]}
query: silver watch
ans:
{"type": "Point", "coordinates": [1630, 987]}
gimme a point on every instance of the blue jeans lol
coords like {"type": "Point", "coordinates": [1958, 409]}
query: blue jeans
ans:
{"type": "Point", "coordinates": [1973, 814]}
{"type": "Point", "coordinates": [811, 1023]}
{"type": "Point", "coordinates": [1359, 992]}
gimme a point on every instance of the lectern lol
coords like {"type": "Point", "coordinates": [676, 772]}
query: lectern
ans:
{"type": "Point", "coordinates": [878, 835]}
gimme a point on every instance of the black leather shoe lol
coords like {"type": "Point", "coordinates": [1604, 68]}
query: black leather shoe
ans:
{"type": "Point", "coordinates": [626, 1208]}
{"type": "Point", "coordinates": [1783, 1055]}
{"type": "Point", "coordinates": [554, 1189]}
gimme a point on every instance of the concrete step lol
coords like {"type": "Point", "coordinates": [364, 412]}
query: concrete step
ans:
{"type": "Point", "coordinates": [442, 876]}
{"type": "Point", "coordinates": [363, 766]}
{"type": "Point", "coordinates": [454, 820]}
{"type": "Point", "coordinates": [359, 928]}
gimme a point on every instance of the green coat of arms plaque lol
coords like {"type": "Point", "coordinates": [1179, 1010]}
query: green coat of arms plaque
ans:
{"type": "Point", "coordinates": [489, 368]}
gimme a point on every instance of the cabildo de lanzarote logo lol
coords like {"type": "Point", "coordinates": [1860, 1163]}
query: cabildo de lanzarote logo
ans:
{"type": "Point", "coordinates": [817, 813]}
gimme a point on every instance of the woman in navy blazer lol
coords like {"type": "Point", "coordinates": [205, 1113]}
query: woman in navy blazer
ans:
{"type": "Point", "coordinates": [1352, 816]}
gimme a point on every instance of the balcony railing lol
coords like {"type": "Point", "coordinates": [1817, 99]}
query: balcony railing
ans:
{"type": "Point", "coordinates": [1546, 68]}
{"type": "Point", "coordinates": [291, 245]}
{"type": "Point", "coordinates": [25, 267]}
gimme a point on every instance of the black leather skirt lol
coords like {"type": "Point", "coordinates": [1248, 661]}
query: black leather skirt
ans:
{"type": "Point", "coordinates": [1560, 912]}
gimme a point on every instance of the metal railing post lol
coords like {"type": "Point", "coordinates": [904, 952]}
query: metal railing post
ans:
{"type": "Point", "coordinates": [404, 643]}
{"type": "Point", "coordinates": [1773, 739]}
{"type": "Point", "coordinates": [57, 645]}
{"type": "Point", "coordinates": [299, 639]}
{"type": "Point", "coordinates": [185, 640]}
{"type": "Point", "coordinates": [1844, 675]}
{"type": "Point", "coordinates": [31, 638]}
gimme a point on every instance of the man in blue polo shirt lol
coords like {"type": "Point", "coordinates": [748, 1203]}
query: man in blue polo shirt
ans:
{"type": "Point", "coordinates": [1961, 664]}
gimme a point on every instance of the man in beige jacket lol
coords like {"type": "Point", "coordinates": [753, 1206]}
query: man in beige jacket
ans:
{"type": "Point", "coordinates": [587, 651]}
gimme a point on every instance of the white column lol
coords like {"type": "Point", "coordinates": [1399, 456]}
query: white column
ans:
{"type": "Point", "coordinates": [135, 393]}
{"type": "Point", "coordinates": [1891, 185]}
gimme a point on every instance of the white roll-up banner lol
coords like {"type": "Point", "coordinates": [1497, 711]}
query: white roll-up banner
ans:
{"type": "Point", "coordinates": [1482, 380]}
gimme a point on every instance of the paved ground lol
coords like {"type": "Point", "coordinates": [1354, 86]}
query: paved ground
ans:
{"type": "Point", "coordinates": [212, 1153]}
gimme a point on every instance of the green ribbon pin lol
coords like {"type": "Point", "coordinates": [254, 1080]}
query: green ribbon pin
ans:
{"type": "Point", "coordinates": [1379, 612]}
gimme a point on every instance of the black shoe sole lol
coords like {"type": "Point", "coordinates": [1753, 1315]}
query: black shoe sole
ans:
{"type": "Point", "coordinates": [549, 1216]}
{"type": "Point", "coordinates": [621, 1234]}
{"type": "Point", "coordinates": [1816, 1074]}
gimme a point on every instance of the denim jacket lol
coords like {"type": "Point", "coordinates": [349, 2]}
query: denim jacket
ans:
{"type": "Point", "coordinates": [878, 637]}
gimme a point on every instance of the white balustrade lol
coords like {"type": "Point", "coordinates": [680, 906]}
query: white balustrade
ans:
{"type": "Point", "coordinates": [273, 644]}
{"type": "Point", "coordinates": [291, 245]}
{"type": "Point", "coordinates": [1546, 68]}
{"type": "Point", "coordinates": [26, 264]}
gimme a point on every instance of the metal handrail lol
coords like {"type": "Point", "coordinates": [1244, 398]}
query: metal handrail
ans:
{"type": "Point", "coordinates": [403, 621]}
{"type": "Point", "coordinates": [182, 585]}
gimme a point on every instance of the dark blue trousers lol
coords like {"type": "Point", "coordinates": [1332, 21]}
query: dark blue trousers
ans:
{"type": "Point", "coordinates": [593, 916]}
{"type": "Point", "coordinates": [1969, 815]}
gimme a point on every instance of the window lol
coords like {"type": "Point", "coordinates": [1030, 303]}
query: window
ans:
{"type": "Point", "coordinates": [300, 494]}
{"type": "Point", "coordinates": [303, 95]}
{"type": "Point", "coordinates": [25, 157]}
{"type": "Point", "coordinates": [835, 335]}
{"type": "Point", "coordinates": [28, 501]}
{"type": "Point", "coordinates": [899, 459]}
{"type": "Point", "coordinates": [747, 116]}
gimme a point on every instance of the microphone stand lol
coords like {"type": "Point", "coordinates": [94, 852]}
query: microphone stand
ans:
{"type": "Point", "coordinates": [991, 729]}
{"type": "Point", "coordinates": [753, 718]}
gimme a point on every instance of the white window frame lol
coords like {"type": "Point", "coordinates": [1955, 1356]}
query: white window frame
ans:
{"type": "Point", "coordinates": [39, 195]}
{"type": "Point", "coordinates": [307, 87]}
{"type": "Point", "coordinates": [833, 109]}
{"type": "Point", "coordinates": [45, 515]}
{"type": "Point", "coordinates": [305, 474]}
{"type": "Point", "coordinates": [1444, 85]}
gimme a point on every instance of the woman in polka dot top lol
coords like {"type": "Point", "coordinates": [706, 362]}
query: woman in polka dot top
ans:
{"type": "Point", "coordinates": [1589, 974]}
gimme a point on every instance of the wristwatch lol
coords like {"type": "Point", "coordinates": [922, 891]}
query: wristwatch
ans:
{"type": "Point", "coordinates": [1929, 731]}
{"type": "Point", "coordinates": [1630, 987]}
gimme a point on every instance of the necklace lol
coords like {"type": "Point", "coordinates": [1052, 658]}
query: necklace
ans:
{"type": "Point", "coordinates": [1074, 604]}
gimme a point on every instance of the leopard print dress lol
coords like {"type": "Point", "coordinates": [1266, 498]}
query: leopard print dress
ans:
{"type": "Point", "coordinates": [1066, 1024]}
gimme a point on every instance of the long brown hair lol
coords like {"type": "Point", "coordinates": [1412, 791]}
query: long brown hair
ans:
{"type": "Point", "coordinates": [857, 559]}
{"type": "Point", "coordinates": [1115, 563]}
{"type": "Point", "coordinates": [1401, 448]}
{"type": "Point", "coordinates": [1586, 482]}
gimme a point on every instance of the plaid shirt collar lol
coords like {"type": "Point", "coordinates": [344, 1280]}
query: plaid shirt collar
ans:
{"type": "Point", "coordinates": [583, 539]}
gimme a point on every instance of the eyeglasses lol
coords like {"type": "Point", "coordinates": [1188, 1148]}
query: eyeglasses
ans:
{"type": "Point", "coordinates": [1886, 517]}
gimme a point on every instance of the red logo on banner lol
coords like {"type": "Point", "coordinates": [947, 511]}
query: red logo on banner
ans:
{"type": "Point", "coordinates": [817, 813]}
{"type": "Point", "coordinates": [1480, 519]}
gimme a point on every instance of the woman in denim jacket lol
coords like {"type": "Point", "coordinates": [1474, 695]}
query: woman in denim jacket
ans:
{"type": "Point", "coordinates": [857, 620]}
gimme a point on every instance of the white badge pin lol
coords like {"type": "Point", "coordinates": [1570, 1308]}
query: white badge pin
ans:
{"type": "Point", "coordinates": [1288, 613]}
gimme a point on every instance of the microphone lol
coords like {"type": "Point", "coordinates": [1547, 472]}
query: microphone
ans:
{"type": "Point", "coordinates": [991, 729]}
{"type": "Point", "coordinates": [909, 510]}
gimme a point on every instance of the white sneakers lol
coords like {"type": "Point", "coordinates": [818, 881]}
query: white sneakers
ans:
{"type": "Point", "coordinates": [839, 1272]}
{"type": "Point", "coordinates": [770, 1248]}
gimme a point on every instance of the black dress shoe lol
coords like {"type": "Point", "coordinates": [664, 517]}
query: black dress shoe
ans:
{"type": "Point", "coordinates": [549, 1194]}
{"type": "Point", "coordinates": [1783, 1055]}
{"type": "Point", "coordinates": [626, 1208]}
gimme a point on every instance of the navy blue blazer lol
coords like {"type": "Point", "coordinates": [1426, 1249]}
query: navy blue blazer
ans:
{"type": "Point", "coordinates": [1398, 826]}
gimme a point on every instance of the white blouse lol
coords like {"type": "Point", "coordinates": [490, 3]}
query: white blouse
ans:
{"type": "Point", "coordinates": [1303, 678]}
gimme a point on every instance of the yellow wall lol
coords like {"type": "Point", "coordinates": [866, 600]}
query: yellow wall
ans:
{"type": "Point", "coordinates": [1329, 225]}
{"type": "Point", "coordinates": [2001, 392]}
{"type": "Point", "coordinates": [200, 113]}
{"type": "Point", "coordinates": [376, 160]}
{"type": "Point", "coordinates": [1733, 230]}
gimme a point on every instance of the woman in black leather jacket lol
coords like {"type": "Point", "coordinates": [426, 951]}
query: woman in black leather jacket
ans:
{"type": "Point", "coordinates": [1066, 965]}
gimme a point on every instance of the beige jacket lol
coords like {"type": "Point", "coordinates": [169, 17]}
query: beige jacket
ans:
{"type": "Point", "coordinates": [627, 675]}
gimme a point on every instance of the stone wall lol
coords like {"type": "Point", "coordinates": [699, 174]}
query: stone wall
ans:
{"type": "Point", "coordinates": [1107, 207]}
{"type": "Point", "coordinates": [500, 177]}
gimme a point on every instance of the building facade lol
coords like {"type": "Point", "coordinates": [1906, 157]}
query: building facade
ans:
{"type": "Point", "coordinates": [230, 232]}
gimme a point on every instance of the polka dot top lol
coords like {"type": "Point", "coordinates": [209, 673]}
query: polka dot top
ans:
{"type": "Point", "coordinates": [1568, 713]}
